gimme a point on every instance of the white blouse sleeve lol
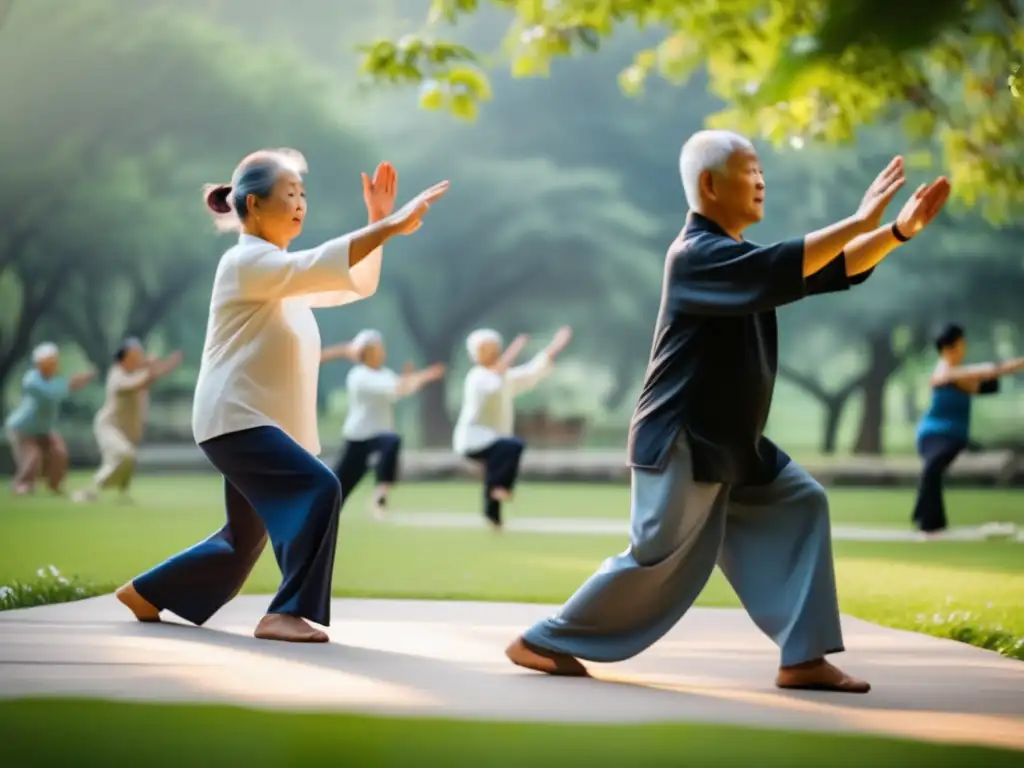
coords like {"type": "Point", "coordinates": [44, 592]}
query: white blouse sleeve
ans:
{"type": "Point", "coordinates": [525, 377]}
{"type": "Point", "coordinates": [266, 273]}
{"type": "Point", "coordinates": [365, 278]}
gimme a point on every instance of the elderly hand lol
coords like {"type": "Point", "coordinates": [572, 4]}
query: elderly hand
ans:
{"type": "Point", "coordinates": [880, 193]}
{"type": "Point", "coordinates": [410, 217]}
{"type": "Point", "coordinates": [379, 193]}
{"type": "Point", "coordinates": [561, 340]}
{"type": "Point", "coordinates": [923, 206]}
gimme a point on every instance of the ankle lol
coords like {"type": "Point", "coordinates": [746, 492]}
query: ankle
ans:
{"type": "Point", "coordinates": [813, 663]}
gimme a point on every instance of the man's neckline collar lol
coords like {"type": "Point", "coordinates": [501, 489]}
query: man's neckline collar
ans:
{"type": "Point", "coordinates": [700, 223]}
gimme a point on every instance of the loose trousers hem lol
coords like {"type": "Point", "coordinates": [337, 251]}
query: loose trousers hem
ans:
{"type": "Point", "coordinates": [772, 542]}
{"type": "Point", "coordinates": [273, 488]}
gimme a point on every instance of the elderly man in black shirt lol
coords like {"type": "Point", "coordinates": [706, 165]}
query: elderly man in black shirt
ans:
{"type": "Point", "coordinates": [708, 487]}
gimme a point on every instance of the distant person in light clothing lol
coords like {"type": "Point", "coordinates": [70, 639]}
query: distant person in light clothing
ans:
{"type": "Point", "coordinates": [32, 426]}
{"type": "Point", "coordinates": [119, 424]}
{"type": "Point", "coordinates": [254, 414]}
{"type": "Point", "coordinates": [944, 430]}
{"type": "Point", "coordinates": [484, 432]}
{"type": "Point", "coordinates": [369, 428]}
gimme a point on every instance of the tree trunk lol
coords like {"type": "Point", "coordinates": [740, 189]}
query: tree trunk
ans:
{"type": "Point", "coordinates": [883, 362]}
{"type": "Point", "coordinates": [435, 423]}
{"type": "Point", "coordinates": [834, 403]}
{"type": "Point", "coordinates": [834, 408]}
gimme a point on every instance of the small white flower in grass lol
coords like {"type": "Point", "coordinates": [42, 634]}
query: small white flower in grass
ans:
{"type": "Point", "coordinates": [63, 581]}
{"type": "Point", "coordinates": [41, 573]}
{"type": "Point", "coordinates": [53, 570]}
{"type": "Point", "coordinates": [79, 590]}
{"type": "Point", "coordinates": [5, 593]}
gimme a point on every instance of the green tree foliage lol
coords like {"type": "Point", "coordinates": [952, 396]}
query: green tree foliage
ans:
{"type": "Point", "coordinates": [113, 119]}
{"type": "Point", "coordinates": [792, 71]}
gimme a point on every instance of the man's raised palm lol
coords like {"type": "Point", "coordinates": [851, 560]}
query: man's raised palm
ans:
{"type": "Point", "coordinates": [880, 193]}
{"type": "Point", "coordinates": [923, 206]}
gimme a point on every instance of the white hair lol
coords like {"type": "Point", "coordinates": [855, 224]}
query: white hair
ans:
{"type": "Point", "coordinates": [477, 339]}
{"type": "Point", "coordinates": [707, 151]}
{"type": "Point", "coordinates": [45, 351]}
{"type": "Point", "coordinates": [366, 338]}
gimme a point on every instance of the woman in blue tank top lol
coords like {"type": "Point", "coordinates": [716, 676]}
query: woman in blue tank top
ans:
{"type": "Point", "coordinates": [943, 432]}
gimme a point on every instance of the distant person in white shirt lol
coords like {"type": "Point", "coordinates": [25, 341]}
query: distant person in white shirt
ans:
{"type": "Point", "coordinates": [119, 423]}
{"type": "Point", "coordinates": [369, 427]}
{"type": "Point", "coordinates": [484, 431]}
{"type": "Point", "coordinates": [254, 413]}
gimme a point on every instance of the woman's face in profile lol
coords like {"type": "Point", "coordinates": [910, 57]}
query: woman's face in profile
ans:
{"type": "Point", "coordinates": [280, 216]}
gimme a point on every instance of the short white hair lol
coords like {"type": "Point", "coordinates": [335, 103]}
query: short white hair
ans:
{"type": "Point", "coordinates": [366, 338]}
{"type": "Point", "coordinates": [477, 339]}
{"type": "Point", "coordinates": [707, 151]}
{"type": "Point", "coordinates": [45, 351]}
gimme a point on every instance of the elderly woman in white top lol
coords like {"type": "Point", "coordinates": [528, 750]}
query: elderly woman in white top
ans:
{"type": "Point", "coordinates": [484, 430]}
{"type": "Point", "coordinates": [369, 427]}
{"type": "Point", "coordinates": [119, 423]}
{"type": "Point", "coordinates": [254, 413]}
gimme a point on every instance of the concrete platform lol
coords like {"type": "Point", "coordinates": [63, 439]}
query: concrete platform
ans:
{"type": "Point", "coordinates": [445, 659]}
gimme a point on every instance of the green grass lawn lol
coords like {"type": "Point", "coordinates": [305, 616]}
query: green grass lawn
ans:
{"type": "Point", "coordinates": [95, 733]}
{"type": "Point", "coordinates": [931, 587]}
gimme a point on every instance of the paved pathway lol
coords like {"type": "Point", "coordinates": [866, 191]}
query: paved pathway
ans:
{"type": "Point", "coordinates": [445, 658]}
{"type": "Point", "coordinates": [612, 527]}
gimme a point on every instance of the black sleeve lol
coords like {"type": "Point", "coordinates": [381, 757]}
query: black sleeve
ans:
{"type": "Point", "coordinates": [712, 275]}
{"type": "Point", "coordinates": [833, 278]}
{"type": "Point", "coordinates": [988, 387]}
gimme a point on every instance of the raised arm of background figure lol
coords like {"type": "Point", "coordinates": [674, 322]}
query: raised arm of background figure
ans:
{"type": "Point", "coordinates": [512, 351]}
{"type": "Point", "coordinates": [413, 381]}
{"type": "Point", "coordinates": [154, 369]}
{"type": "Point", "coordinates": [344, 351]}
{"type": "Point", "coordinates": [80, 380]}
{"type": "Point", "coordinates": [981, 378]}
{"type": "Point", "coordinates": [525, 377]}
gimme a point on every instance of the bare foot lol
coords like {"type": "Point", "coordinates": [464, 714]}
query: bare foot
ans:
{"type": "Point", "coordinates": [21, 489]}
{"type": "Point", "coordinates": [288, 629]}
{"type": "Point", "coordinates": [550, 663]}
{"type": "Point", "coordinates": [85, 496]}
{"type": "Point", "coordinates": [501, 494]}
{"type": "Point", "coordinates": [142, 608]}
{"type": "Point", "coordinates": [819, 676]}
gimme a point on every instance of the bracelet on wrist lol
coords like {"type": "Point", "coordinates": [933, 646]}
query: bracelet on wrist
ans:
{"type": "Point", "coordinates": [897, 234]}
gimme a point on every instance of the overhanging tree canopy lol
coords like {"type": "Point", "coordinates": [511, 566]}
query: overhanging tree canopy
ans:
{"type": "Point", "coordinates": [793, 71]}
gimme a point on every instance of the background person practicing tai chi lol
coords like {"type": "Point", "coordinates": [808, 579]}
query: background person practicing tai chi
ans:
{"type": "Point", "coordinates": [707, 486]}
{"type": "Point", "coordinates": [254, 413]}
{"type": "Point", "coordinates": [119, 423]}
{"type": "Point", "coordinates": [484, 430]}
{"type": "Point", "coordinates": [32, 426]}
{"type": "Point", "coordinates": [944, 430]}
{"type": "Point", "coordinates": [369, 427]}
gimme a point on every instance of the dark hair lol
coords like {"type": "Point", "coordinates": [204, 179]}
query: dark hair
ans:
{"type": "Point", "coordinates": [948, 336]}
{"type": "Point", "coordinates": [128, 344]}
{"type": "Point", "coordinates": [255, 175]}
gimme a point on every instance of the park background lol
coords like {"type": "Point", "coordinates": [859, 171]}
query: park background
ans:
{"type": "Point", "coordinates": [565, 195]}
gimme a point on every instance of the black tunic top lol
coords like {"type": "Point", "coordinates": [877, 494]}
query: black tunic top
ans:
{"type": "Point", "coordinates": [715, 352]}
